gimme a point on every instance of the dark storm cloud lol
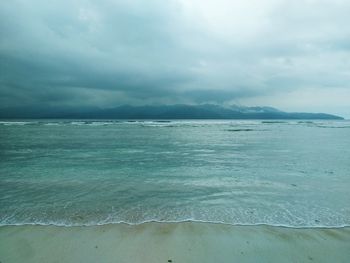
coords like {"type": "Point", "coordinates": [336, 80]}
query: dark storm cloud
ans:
{"type": "Point", "coordinates": [55, 48]}
{"type": "Point", "coordinates": [111, 52]}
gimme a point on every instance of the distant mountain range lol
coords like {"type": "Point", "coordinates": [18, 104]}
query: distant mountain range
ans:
{"type": "Point", "coordinates": [179, 111]}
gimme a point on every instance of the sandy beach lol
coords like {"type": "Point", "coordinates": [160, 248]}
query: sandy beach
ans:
{"type": "Point", "coordinates": [172, 242]}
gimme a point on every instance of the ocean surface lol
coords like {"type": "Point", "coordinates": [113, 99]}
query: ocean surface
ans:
{"type": "Point", "coordinates": [64, 172]}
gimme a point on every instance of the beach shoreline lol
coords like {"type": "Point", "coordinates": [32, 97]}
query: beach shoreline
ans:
{"type": "Point", "coordinates": [173, 242]}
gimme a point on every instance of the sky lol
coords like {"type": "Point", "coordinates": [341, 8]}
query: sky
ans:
{"type": "Point", "coordinates": [292, 55]}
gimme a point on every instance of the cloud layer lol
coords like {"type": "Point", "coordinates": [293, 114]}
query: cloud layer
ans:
{"type": "Point", "coordinates": [294, 55]}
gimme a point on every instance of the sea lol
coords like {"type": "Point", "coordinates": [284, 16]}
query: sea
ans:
{"type": "Point", "coordinates": [242, 172]}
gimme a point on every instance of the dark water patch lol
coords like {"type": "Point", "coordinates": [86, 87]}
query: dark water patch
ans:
{"type": "Point", "coordinates": [239, 130]}
{"type": "Point", "coordinates": [273, 122]}
{"type": "Point", "coordinates": [333, 127]}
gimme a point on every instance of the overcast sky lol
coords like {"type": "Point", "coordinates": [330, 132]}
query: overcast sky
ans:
{"type": "Point", "coordinates": [293, 55]}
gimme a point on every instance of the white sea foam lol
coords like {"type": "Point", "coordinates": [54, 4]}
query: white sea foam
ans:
{"type": "Point", "coordinates": [108, 222]}
{"type": "Point", "coordinates": [9, 123]}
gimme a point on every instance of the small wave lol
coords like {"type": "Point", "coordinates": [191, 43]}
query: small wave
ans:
{"type": "Point", "coordinates": [52, 124]}
{"type": "Point", "coordinates": [101, 123]}
{"type": "Point", "coordinates": [189, 220]}
{"type": "Point", "coordinates": [325, 124]}
{"type": "Point", "coordinates": [79, 122]}
{"type": "Point", "coordinates": [9, 123]}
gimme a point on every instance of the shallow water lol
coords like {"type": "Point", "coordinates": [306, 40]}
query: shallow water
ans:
{"type": "Point", "coordinates": [64, 172]}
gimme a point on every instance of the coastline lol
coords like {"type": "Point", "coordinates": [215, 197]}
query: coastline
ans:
{"type": "Point", "coordinates": [173, 242]}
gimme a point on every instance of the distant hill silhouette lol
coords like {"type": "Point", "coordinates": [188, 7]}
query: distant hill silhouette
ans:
{"type": "Point", "coordinates": [179, 111]}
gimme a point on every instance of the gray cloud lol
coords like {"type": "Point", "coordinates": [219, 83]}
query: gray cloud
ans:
{"type": "Point", "coordinates": [107, 53]}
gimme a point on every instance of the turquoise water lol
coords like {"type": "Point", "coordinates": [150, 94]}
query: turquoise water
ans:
{"type": "Point", "coordinates": [64, 172]}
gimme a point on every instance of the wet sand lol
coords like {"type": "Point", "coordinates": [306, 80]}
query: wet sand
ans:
{"type": "Point", "coordinates": [172, 242]}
